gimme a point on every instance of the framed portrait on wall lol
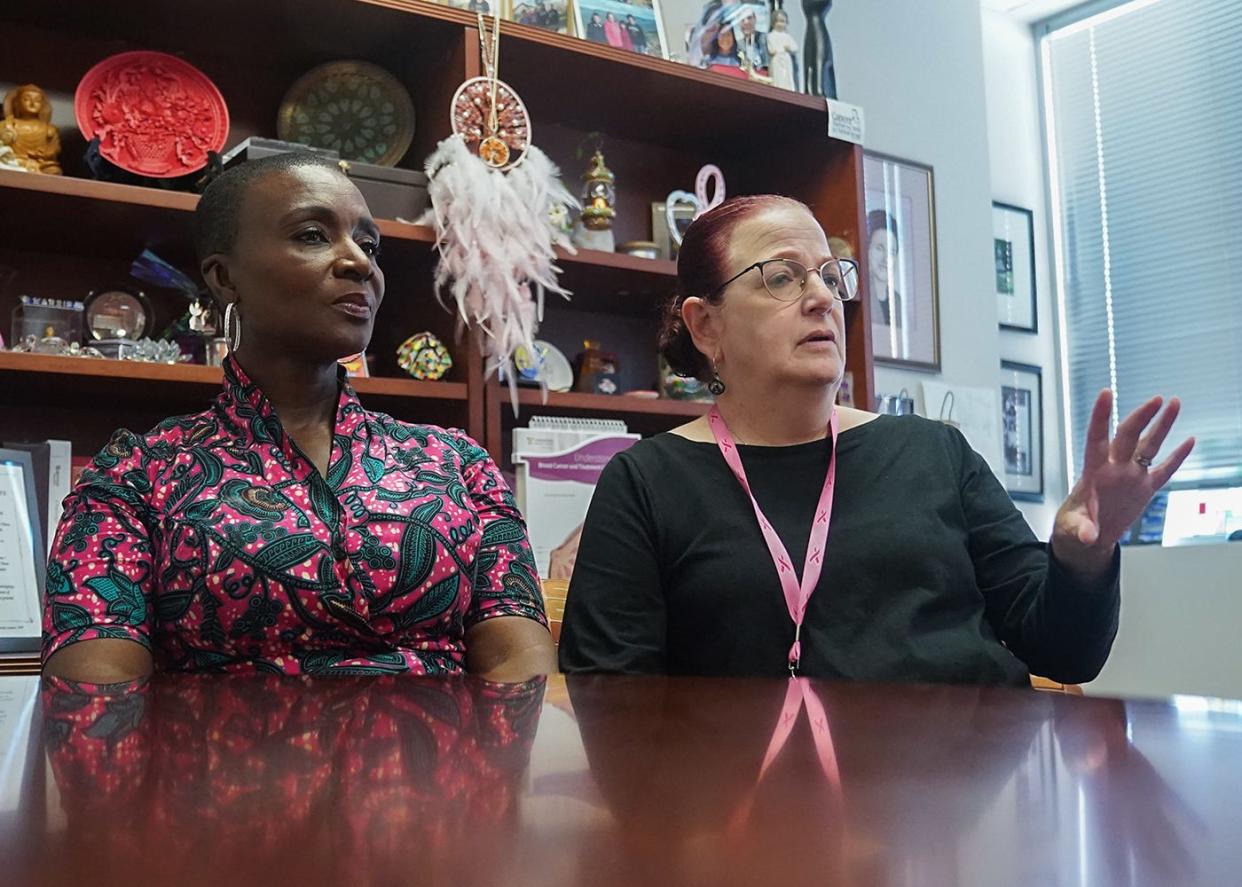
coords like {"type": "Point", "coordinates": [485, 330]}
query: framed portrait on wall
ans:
{"type": "Point", "coordinates": [1013, 245]}
{"type": "Point", "coordinates": [900, 253]}
{"type": "Point", "coordinates": [634, 25]}
{"type": "Point", "coordinates": [1022, 430]}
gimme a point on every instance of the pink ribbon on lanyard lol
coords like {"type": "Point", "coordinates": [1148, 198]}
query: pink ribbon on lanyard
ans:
{"type": "Point", "coordinates": [797, 596]}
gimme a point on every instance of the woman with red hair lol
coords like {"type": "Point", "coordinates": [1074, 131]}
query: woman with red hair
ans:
{"type": "Point", "coordinates": [782, 534]}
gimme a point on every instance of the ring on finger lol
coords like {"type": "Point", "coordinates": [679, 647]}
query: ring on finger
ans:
{"type": "Point", "coordinates": [1145, 461]}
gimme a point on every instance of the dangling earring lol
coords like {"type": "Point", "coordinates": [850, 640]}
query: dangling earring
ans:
{"type": "Point", "coordinates": [716, 386]}
{"type": "Point", "coordinates": [233, 341]}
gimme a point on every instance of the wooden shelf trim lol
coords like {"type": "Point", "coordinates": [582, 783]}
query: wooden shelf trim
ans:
{"type": "Point", "coordinates": [620, 262]}
{"type": "Point", "coordinates": [609, 404]}
{"type": "Point", "coordinates": [90, 189]}
{"type": "Point", "coordinates": [192, 374]}
{"type": "Point", "coordinates": [391, 387]}
{"type": "Point", "coordinates": [676, 70]}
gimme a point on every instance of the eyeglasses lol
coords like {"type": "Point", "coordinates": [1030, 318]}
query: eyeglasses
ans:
{"type": "Point", "coordinates": [786, 279]}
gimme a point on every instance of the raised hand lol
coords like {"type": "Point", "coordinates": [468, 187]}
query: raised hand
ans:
{"type": "Point", "coordinates": [1118, 480]}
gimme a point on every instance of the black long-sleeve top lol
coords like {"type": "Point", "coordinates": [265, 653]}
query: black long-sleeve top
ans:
{"type": "Point", "coordinates": [931, 573]}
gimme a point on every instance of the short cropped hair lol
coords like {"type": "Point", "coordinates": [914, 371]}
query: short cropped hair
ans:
{"type": "Point", "coordinates": [219, 209]}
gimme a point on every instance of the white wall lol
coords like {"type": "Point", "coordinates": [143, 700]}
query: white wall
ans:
{"type": "Point", "coordinates": [919, 70]}
{"type": "Point", "coordinates": [1015, 141]}
{"type": "Point", "coordinates": [916, 68]}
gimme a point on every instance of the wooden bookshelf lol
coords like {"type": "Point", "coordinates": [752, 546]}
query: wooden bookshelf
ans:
{"type": "Point", "coordinates": [660, 122]}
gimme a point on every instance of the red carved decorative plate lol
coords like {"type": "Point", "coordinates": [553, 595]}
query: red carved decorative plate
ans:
{"type": "Point", "coordinates": [154, 114]}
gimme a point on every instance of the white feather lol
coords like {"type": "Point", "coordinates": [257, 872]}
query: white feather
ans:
{"type": "Point", "coordinates": [497, 245]}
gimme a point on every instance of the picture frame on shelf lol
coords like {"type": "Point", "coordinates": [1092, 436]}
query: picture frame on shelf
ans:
{"type": "Point", "coordinates": [1013, 245]}
{"type": "Point", "coordinates": [680, 18]}
{"type": "Point", "coordinates": [634, 25]}
{"type": "Point", "coordinates": [487, 7]}
{"type": "Point", "coordinates": [703, 23]}
{"type": "Point", "coordinates": [683, 213]}
{"type": "Point", "coordinates": [693, 25]}
{"type": "Point", "coordinates": [547, 15]}
{"type": "Point", "coordinates": [900, 254]}
{"type": "Point", "coordinates": [24, 554]}
{"type": "Point", "coordinates": [1022, 430]}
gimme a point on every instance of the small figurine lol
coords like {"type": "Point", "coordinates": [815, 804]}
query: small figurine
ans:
{"type": "Point", "coordinates": [599, 197]}
{"type": "Point", "coordinates": [818, 74]}
{"type": "Point", "coordinates": [751, 46]}
{"type": "Point", "coordinates": [782, 52]}
{"type": "Point", "coordinates": [560, 216]}
{"type": "Point", "coordinates": [28, 132]}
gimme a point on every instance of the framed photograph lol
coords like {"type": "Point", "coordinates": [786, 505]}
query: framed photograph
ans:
{"type": "Point", "coordinates": [636, 25]}
{"type": "Point", "coordinates": [547, 15]}
{"type": "Point", "coordinates": [761, 39]}
{"type": "Point", "coordinates": [682, 20]}
{"type": "Point", "coordinates": [487, 7]}
{"type": "Point", "coordinates": [683, 214]}
{"type": "Point", "coordinates": [729, 37]}
{"type": "Point", "coordinates": [1013, 245]}
{"type": "Point", "coordinates": [22, 555]}
{"type": "Point", "coordinates": [900, 260]}
{"type": "Point", "coordinates": [1022, 430]}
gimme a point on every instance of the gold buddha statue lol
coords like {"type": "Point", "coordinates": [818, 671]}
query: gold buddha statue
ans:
{"type": "Point", "coordinates": [28, 132]}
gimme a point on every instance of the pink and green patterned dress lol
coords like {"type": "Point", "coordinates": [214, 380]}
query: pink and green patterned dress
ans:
{"type": "Point", "coordinates": [215, 543]}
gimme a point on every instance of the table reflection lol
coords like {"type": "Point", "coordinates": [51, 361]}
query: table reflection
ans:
{"type": "Point", "coordinates": [607, 781]}
{"type": "Point", "coordinates": [356, 777]}
{"type": "Point", "coordinates": [678, 760]}
{"type": "Point", "coordinates": [1133, 824]}
{"type": "Point", "coordinates": [928, 789]}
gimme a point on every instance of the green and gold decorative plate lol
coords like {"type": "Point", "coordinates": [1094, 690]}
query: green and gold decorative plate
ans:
{"type": "Point", "coordinates": [354, 108]}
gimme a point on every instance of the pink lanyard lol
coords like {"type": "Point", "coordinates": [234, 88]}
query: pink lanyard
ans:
{"type": "Point", "coordinates": [796, 597]}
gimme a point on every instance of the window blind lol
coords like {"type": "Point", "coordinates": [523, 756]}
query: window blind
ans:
{"type": "Point", "coordinates": [1143, 107]}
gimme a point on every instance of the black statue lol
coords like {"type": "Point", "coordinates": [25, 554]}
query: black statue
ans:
{"type": "Point", "coordinates": [818, 75]}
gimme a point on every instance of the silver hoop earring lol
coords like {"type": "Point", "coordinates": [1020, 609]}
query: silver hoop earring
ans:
{"type": "Point", "coordinates": [234, 342]}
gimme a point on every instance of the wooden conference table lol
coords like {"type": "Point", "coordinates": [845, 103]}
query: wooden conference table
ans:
{"type": "Point", "coordinates": [214, 780]}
